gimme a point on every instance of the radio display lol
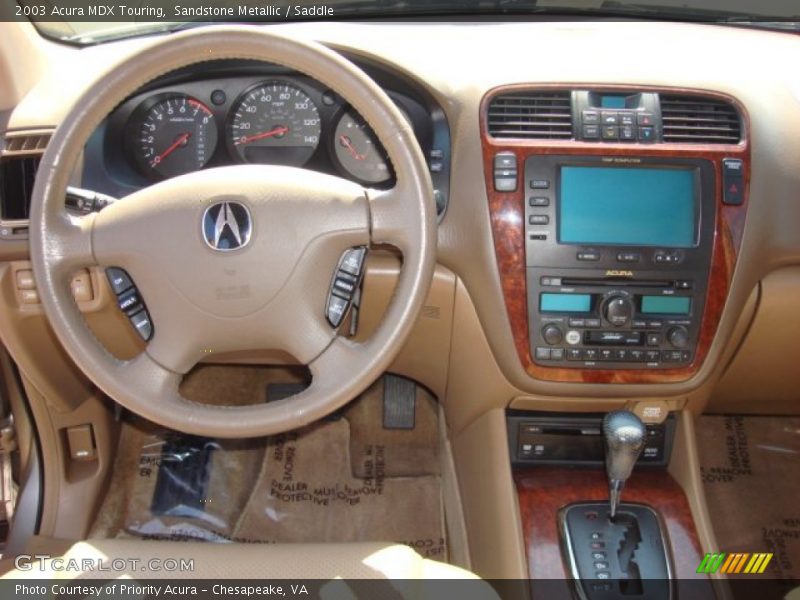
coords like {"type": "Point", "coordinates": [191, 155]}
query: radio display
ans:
{"type": "Point", "coordinates": [628, 206]}
{"type": "Point", "coordinates": [666, 305]}
{"type": "Point", "coordinates": [565, 302]}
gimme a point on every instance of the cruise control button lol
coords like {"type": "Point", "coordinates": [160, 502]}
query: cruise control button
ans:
{"type": "Point", "coordinates": [129, 302]}
{"type": "Point", "coordinates": [353, 260]}
{"type": "Point", "coordinates": [119, 280]}
{"type": "Point", "coordinates": [345, 286]}
{"type": "Point", "coordinates": [337, 307]}
{"type": "Point", "coordinates": [144, 327]}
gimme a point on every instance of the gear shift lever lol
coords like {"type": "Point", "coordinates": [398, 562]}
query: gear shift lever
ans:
{"type": "Point", "coordinates": [625, 435]}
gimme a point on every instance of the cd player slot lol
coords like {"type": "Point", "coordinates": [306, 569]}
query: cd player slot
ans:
{"type": "Point", "coordinates": [609, 282]}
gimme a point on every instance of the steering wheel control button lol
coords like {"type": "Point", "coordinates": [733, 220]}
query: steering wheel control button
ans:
{"type": "Point", "coordinates": [129, 302]}
{"type": "Point", "coordinates": [144, 327]}
{"type": "Point", "coordinates": [81, 286]}
{"type": "Point", "coordinates": [119, 280]}
{"type": "Point", "coordinates": [25, 280]}
{"type": "Point", "coordinates": [337, 309]}
{"type": "Point", "coordinates": [352, 261]}
{"type": "Point", "coordinates": [345, 285]}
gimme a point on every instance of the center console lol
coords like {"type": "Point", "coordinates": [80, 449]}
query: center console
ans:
{"type": "Point", "coordinates": [618, 251]}
{"type": "Point", "coordinates": [615, 251]}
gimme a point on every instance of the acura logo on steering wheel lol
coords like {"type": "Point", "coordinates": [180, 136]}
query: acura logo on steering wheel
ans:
{"type": "Point", "coordinates": [227, 226]}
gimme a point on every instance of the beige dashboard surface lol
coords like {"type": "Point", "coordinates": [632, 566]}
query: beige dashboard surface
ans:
{"type": "Point", "coordinates": [459, 63]}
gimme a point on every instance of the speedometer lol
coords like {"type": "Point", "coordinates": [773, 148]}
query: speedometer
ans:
{"type": "Point", "coordinates": [275, 123]}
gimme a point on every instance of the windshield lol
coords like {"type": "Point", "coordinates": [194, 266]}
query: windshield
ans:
{"type": "Point", "coordinates": [88, 22]}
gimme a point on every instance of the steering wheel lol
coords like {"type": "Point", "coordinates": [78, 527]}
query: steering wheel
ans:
{"type": "Point", "coordinates": [271, 292]}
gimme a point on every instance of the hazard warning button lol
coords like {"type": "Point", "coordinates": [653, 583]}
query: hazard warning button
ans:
{"type": "Point", "coordinates": [732, 181]}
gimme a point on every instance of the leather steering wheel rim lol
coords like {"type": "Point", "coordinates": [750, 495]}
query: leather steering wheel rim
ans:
{"type": "Point", "coordinates": [148, 385]}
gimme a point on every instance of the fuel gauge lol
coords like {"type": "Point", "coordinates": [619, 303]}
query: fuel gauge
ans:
{"type": "Point", "coordinates": [358, 152]}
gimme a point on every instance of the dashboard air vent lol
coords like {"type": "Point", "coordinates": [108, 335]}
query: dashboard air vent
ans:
{"type": "Point", "coordinates": [531, 115]}
{"type": "Point", "coordinates": [17, 176]}
{"type": "Point", "coordinates": [25, 143]}
{"type": "Point", "coordinates": [699, 120]}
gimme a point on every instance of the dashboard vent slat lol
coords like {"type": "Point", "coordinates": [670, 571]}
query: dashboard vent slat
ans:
{"type": "Point", "coordinates": [25, 143]}
{"type": "Point", "coordinates": [531, 115]}
{"type": "Point", "coordinates": [699, 120]}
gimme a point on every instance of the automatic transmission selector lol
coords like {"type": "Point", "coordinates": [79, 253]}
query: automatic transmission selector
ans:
{"type": "Point", "coordinates": [624, 436]}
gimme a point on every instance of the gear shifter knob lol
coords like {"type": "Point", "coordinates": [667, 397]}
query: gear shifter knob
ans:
{"type": "Point", "coordinates": [624, 436]}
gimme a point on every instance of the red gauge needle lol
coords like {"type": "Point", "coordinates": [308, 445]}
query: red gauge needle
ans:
{"type": "Point", "coordinates": [182, 139]}
{"type": "Point", "coordinates": [246, 139]}
{"type": "Point", "coordinates": [347, 143]}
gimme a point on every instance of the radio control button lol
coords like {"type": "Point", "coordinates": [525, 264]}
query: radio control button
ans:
{"type": "Point", "coordinates": [652, 355]}
{"type": "Point", "coordinates": [621, 355]}
{"type": "Point", "coordinates": [618, 311]}
{"type": "Point", "coordinates": [557, 354]}
{"type": "Point", "coordinates": [577, 322]}
{"type": "Point", "coordinates": [678, 337]}
{"type": "Point", "coordinates": [672, 356]}
{"type": "Point", "coordinates": [573, 337]}
{"type": "Point", "coordinates": [655, 324]}
{"type": "Point", "coordinates": [574, 354]}
{"type": "Point", "coordinates": [684, 284]}
{"type": "Point", "coordinates": [552, 334]}
{"type": "Point", "coordinates": [550, 281]}
{"type": "Point", "coordinates": [636, 355]}
{"type": "Point", "coordinates": [629, 257]}
{"type": "Point", "coordinates": [589, 256]}
{"type": "Point", "coordinates": [653, 339]}
{"type": "Point", "coordinates": [590, 354]}
{"type": "Point", "coordinates": [542, 353]}
{"type": "Point", "coordinates": [592, 323]}
{"type": "Point", "coordinates": [606, 354]}
{"type": "Point", "coordinates": [638, 324]}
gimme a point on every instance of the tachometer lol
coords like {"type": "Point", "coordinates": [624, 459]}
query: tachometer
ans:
{"type": "Point", "coordinates": [275, 123]}
{"type": "Point", "coordinates": [173, 135]}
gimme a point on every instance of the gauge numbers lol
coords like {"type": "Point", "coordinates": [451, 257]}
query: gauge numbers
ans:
{"type": "Point", "coordinates": [176, 134]}
{"type": "Point", "coordinates": [275, 123]}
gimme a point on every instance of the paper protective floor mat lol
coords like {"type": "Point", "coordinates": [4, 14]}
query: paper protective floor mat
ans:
{"type": "Point", "coordinates": [751, 476]}
{"type": "Point", "coordinates": [303, 486]}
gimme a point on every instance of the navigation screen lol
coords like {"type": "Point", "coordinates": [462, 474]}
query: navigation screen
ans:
{"type": "Point", "coordinates": [628, 206]}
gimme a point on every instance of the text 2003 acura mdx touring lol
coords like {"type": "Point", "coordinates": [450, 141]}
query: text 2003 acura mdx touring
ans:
{"type": "Point", "coordinates": [403, 291]}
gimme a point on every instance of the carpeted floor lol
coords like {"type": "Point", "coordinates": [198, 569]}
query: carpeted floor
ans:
{"type": "Point", "coordinates": [343, 479]}
{"type": "Point", "coordinates": [751, 474]}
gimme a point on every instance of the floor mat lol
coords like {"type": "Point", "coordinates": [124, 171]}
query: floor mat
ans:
{"type": "Point", "coordinates": [751, 475]}
{"type": "Point", "coordinates": [343, 479]}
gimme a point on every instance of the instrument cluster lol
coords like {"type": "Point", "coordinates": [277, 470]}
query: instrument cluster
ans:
{"type": "Point", "coordinates": [252, 116]}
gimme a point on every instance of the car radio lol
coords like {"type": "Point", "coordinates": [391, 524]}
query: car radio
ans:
{"type": "Point", "coordinates": [618, 251]}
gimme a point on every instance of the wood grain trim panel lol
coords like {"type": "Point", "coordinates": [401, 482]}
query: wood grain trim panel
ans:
{"type": "Point", "coordinates": [507, 213]}
{"type": "Point", "coordinates": [542, 491]}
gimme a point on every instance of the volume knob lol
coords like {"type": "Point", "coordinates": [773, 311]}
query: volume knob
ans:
{"type": "Point", "coordinates": [552, 334]}
{"type": "Point", "coordinates": [618, 311]}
